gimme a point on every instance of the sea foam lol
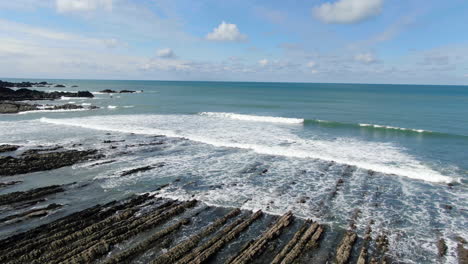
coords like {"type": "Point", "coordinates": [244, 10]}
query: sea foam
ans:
{"type": "Point", "coordinates": [266, 138]}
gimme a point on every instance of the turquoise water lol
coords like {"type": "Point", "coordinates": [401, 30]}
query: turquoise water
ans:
{"type": "Point", "coordinates": [414, 140]}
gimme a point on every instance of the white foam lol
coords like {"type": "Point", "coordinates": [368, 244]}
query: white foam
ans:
{"type": "Point", "coordinates": [270, 119]}
{"type": "Point", "coordinates": [394, 128]}
{"type": "Point", "coordinates": [111, 107]}
{"type": "Point", "coordinates": [73, 98]}
{"type": "Point", "coordinates": [266, 138]}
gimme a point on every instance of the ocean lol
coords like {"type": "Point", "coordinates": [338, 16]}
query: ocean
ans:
{"type": "Point", "coordinates": [400, 149]}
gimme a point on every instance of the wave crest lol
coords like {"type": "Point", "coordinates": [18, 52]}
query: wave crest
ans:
{"type": "Point", "coordinates": [254, 118]}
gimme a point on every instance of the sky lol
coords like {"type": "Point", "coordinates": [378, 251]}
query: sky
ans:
{"type": "Point", "coordinates": [337, 41]}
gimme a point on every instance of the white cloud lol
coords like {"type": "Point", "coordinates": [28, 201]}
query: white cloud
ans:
{"type": "Point", "coordinates": [466, 75]}
{"type": "Point", "coordinates": [365, 58]}
{"type": "Point", "coordinates": [167, 65]}
{"type": "Point", "coordinates": [263, 62]}
{"type": "Point", "coordinates": [165, 53]}
{"type": "Point", "coordinates": [311, 64]}
{"type": "Point", "coordinates": [226, 32]}
{"type": "Point", "coordinates": [65, 6]}
{"type": "Point", "coordinates": [348, 11]}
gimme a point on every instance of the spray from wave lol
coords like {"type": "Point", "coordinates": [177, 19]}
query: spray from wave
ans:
{"type": "Point", "coordinates": [254, 118]}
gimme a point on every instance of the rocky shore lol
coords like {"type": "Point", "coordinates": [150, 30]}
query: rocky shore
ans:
{"type": "Point", "coordinates": [23, 94]}
{"type": "Point", "coordinates": [43, 159]}
{"type": "Point", "coordinates": [10, 107]}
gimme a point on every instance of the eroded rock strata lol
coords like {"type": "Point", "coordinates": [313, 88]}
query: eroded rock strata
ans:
{"type": "Point", "coordinates": [39, 161]}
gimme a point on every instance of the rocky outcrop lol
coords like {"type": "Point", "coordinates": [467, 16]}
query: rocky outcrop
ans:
{"type": "Point", "coordinates": [10, 183]}
{"type": "Point", "coordinates": [113, 91]}
{"type": "Point", "coordinates": [33, 194]}
{"type": "Point", "coordinates": [8, 148]}
{"type": "Point", "coordinates": [108, 91]}
{"type": "Point", "coordinates": [22, 84]}
{"type": "Point", "coordinates": [59, 86]}
{"type": "Point", "coordinates": [142, 169]}
{"type": "Point", "coordinates": [33, 213]}
{"type": "Point", "coordinates": [10, 107]}
{"type": "Point", "coordinates": [343, 253]}
{"type": "Point", "coordinates": [39, 161]}
{"type": "Point", "coordinates": [7, 94]}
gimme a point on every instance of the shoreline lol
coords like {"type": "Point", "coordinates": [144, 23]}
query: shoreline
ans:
{"type": "Point", "coordinates": [151, 222]}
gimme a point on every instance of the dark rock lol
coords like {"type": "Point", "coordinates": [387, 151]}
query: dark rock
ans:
{"type": "Point", "coordinates": [7, 94]}
{"type": "Point", "coordinates": [112, 141]}
{"type": "Point", "coordinates": [37, 161]}
{"type": "Point", "coordinates": [38, 212]}
{"type": "Point", "coordinates": [60, 86]}
{"type": "Point", "coordinates": [264, 171]}
{"type": "Point", "coordinates": [448, 207]}
{"type": "Point", "coordinates": [33, 194]}
{"type": "Point", "coordinates": [10, 183]}
{"type": "Point", "coordinates": [107, 91]}
{"type": "Point", "coordinates": [127, 91]}
{"type": "Point", "coordinates": [8, 148]}
{"type": "Point", "coordinates": [74, 86]}
{"type": "Point", "coordinates": [132, 171]}
{"type": "Point", "coordinates": [441, 247]}
{"type": "Point", "coordinates": [16, 107]}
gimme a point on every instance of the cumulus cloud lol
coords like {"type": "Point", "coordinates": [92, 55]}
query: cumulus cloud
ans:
{"type": "Point", "coordinates": [348, 11]}
{"type": "Point", "coordinates": [365, 58]}
{"type": "Point", "coordinates": [226, 32]}
{"type": "Point", "coordinates": [263, 62]}
{"type": "Point", "coordinates": [65, 6]}
{"type": "Point", "coordinates": [165, 53]}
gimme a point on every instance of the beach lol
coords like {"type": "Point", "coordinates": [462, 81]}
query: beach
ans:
{"type": "Point", "coordinates": [247, 172]}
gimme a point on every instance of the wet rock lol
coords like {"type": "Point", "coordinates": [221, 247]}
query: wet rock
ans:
{"type": "Point", "coordinates": [16, 197]}
{"type": "Point", "coordinates": [112, 141]}
{"type": "Point", "coordinates": [10, 183]}
{"type": "Point", "coordinates": [448, 207]}
{"type": "Point", "coordinates": [127, 91]}
{"type": "Point", "coordinates": [74, 86]}
{"type": "Point", "coordinates": [7, 94]}
{"type": "Point", "coordinates": [34, 213]}
{"type": "Point", "coordinates": [107, 91]}
{"type": "Point", "coordinates": [343, 252]}
{"type": "Point", "coordinates": [264, 171]}
{"type": "Point", "coordinates": [441, 247]}
{"type": "Point", "coordinates": [8, 148]}
{"type": "Point", "coordinates": [462, 253]}
{"type": "Point", "coordinates": [142, 169]}
{"type": "Point", "coordinates": [9, 107]}
{"type": "Point", "coordinates": [38, 161]}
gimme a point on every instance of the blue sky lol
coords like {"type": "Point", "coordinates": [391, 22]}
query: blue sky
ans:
{"type": "Point", "coordinates": [365, 41]}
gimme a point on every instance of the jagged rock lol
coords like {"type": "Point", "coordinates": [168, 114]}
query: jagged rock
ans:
{"type": "Point", "coordinates": [142, 169]}
{"type": "Point", "coordinates": [343, 252]}
{"type": "Point", "coordinates": [38, 212]}
{"type": "Point", "coordinates": [441, 247]}
{"type": "Point", "coordinates": [7, 107]}
{"type": "Point", "coordinates": [43, 161]}
{"type": "Point", "coordinates": [7, 94]}
{"type": "Point", "coordinates": [8, 148]}
{"type": "Point", "coordinates": [30, 195]}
